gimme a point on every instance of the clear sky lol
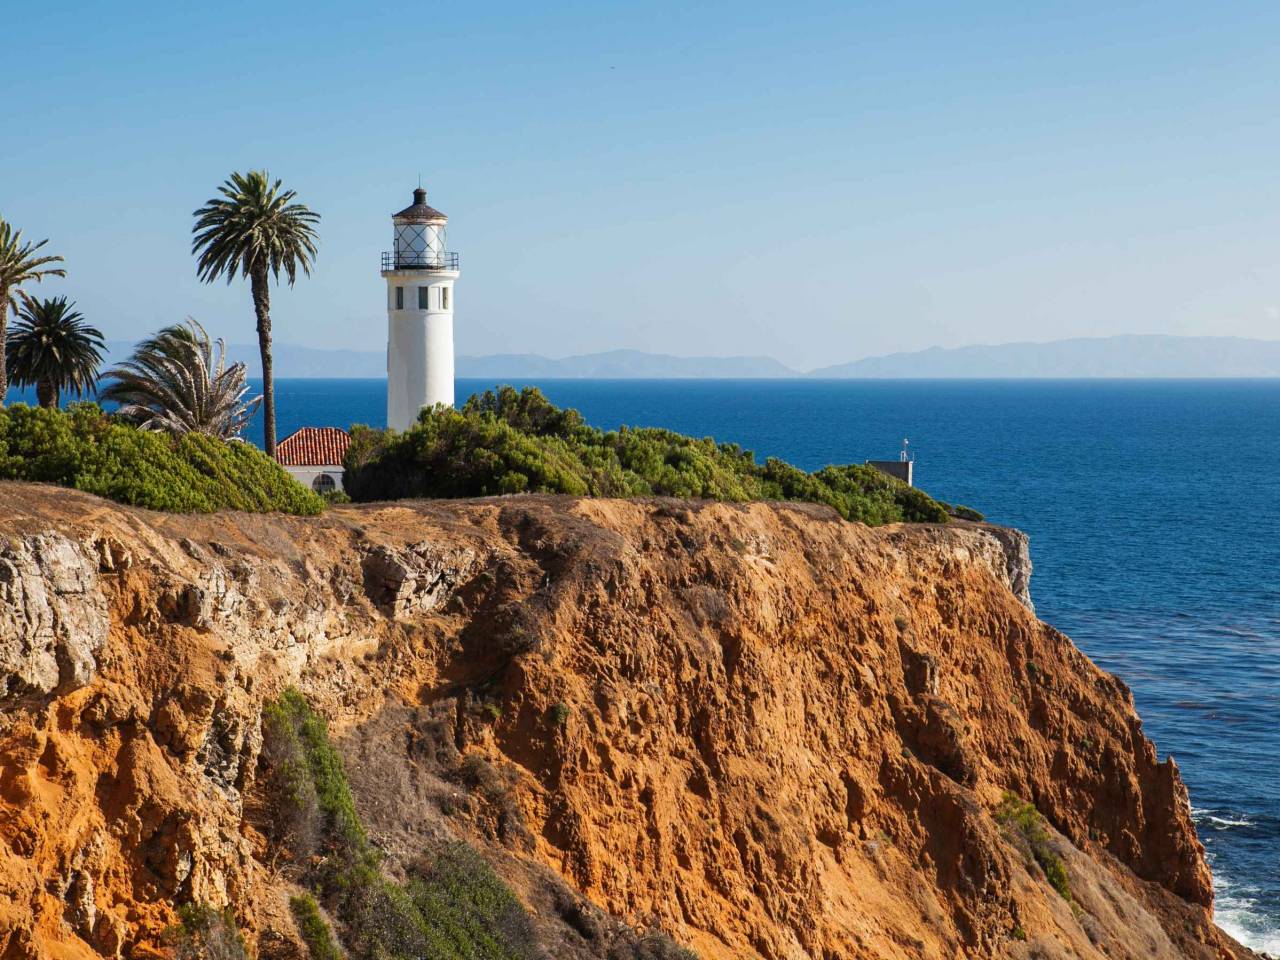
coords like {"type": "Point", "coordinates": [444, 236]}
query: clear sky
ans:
{"type": "Point", "coordinates": [815, 182]}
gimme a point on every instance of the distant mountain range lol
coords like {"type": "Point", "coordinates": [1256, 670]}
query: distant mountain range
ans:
{"type": "Point", "coordinates": [623, 365]}
{"type": "Point", "coordinates": [1122, 356]}
{"type": "Point", "coordinates": [292, 360]}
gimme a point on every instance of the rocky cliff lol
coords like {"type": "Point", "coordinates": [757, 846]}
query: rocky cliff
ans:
{"type": "Point", "coordinates": [765, 731]}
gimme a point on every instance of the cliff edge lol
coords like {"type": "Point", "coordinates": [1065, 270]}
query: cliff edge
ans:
{"type": "Point", "coordinates": [763, 730]}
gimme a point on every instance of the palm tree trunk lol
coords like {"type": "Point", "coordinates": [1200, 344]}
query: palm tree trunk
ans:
{"type": "Point", "coordinates": [4, 333]}
{"type": "Point", "coordinates": [47, 393]}
{"type": "Point", "coordinates": [262, 307]}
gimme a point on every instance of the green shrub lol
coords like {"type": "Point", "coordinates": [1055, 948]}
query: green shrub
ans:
{"type": "Point", "coordinates": [510, 441]}
{"type": "Point", "coordinates": [460, 897]}
{"type": "Point", "coordinates": [309, 775]}
{"type": "Point", "coordinates": [84, 448]}
{"type": "Point", "coordinates": [315, 932]}
{"type": "Point", "coordinates": [1024, 820]}
{"type": "Point", "coordinates": [203, 933]}
{"type": "Point", "coordinates": [452, 907]}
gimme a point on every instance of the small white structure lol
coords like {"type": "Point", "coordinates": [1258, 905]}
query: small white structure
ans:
{"type": "Point", "coordinates": [313, 456]}
{"type": "Point", "coordinates": [901, 469]}
{"type": "Point", "coordinates": [420, 273]}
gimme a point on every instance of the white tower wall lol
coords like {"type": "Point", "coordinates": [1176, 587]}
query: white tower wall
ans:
{"type": "Point", "coordinates": [419, 344]}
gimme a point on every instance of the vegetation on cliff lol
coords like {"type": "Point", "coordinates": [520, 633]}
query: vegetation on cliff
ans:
{"type": "Point", "coordinates": [203, 933]}
{"type": "Point", "coordinates": [1023, 822]}
{"type": "Point", "coordinates": [84, 448]}
{"type": "Point", "coordinates": [512, 441]}
{"type": "Point", "coordinates": [451, 906]}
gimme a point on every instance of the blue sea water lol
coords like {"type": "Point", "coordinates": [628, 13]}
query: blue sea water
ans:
{"type": "Point", "coordinates": [1154, 514]}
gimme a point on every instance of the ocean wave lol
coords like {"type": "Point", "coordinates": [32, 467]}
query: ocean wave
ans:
{"type": "Point", "coordinates": [1224, 822]}
{"type": "Point", "coordinates": [1220, 818]}
{"type": "Point", "coordinates": [1240, 918]}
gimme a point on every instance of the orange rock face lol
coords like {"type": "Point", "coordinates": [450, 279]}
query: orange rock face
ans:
{"type": "Point", "coordinates": [764, 730]}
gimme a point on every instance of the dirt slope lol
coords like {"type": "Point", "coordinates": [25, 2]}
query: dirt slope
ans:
{"type": "Point", "coordinates": [766, 731]}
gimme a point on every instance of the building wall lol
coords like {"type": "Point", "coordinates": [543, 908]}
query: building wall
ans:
{"type": "Point", "coordinates": [895, 468]}
{"type": "Point", "coordinates": [307, 475]}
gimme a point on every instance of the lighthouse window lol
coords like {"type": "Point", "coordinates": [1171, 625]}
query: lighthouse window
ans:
{"type": "Point", "coordinates": [444, 298]}
{"type": "Point", "coordinates": [399, 298]}
{"type": "Point", "coordinates": [424, 298]}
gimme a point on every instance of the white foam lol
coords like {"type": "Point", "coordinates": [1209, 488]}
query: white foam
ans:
{"type": "Point", "coordinates": [1239, 917]}
{"type": "Point", "coordinates": [1224, 822]}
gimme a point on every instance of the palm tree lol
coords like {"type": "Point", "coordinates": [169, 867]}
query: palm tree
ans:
{"type": "Point", "coordinates": [51, 348]}
{"type": "Point", "coordinates": [255, 230]}
{"type": "Point", "coordinates": [174, 382]}
{"type": "Point", "coordinates": [19, 264]}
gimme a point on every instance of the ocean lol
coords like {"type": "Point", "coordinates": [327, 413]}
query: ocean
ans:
{"type": "Point", "coordinates": [1154, 514]}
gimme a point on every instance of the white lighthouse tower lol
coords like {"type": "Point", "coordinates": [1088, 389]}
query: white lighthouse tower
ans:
{"type": "Point", "coordinates": [420, 273]}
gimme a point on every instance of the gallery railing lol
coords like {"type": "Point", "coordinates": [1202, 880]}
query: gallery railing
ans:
{"type": "Point", "coordinates": [405, 260]}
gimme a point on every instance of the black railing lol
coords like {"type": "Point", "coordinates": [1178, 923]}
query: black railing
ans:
{"type": "Point", "coordinates": [394, 260]}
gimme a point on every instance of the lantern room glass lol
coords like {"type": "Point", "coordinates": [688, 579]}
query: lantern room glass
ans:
{"type": "Point", "coordinates": [420, 244]}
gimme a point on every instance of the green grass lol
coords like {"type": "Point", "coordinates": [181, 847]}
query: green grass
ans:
{"type": "Point", "coordinates": [1025, 820]}
{"type": "Point", "coordinates": [84, 448]}
{"type": "Point", "coordinates": [512, 441]}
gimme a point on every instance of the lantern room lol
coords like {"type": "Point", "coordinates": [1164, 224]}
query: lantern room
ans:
{"type": "Point", "coordinates": [420, 238]}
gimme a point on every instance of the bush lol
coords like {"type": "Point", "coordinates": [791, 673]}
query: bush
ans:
{"type": "Point", "coordinates": [315, 932]}
{"type": "Point", "coordinates": [1025, 821]}
{"type": "Point", "coordinates": [203, 933]}
{"type": "Point", "coordinates": [294, 818]}
{"type": "Point", "coordinates": [84, 448]}
{"type": "Point", "coordinates": [453, 906]}
{"type": "Point", "coordinates": [459, 896]}
{"type": "Point", "coordinates": [653, 945]}
{"type": "Point", "coordinates": [512, 441]}
{"type": "Point", "coordinates": [309, 784]}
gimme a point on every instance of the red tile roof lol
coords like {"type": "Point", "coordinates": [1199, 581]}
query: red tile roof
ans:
{"type": "Point", "coordinates": [313, 447]}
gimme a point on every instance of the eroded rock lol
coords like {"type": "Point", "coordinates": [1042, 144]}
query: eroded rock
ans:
{"type": "Point", "coordinates": [53, 619]}
{"type": "Point", "coordinates": [416, 579]}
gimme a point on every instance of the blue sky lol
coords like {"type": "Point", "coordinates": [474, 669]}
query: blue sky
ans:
{"type": "Point", "coordinates": [816, 182]}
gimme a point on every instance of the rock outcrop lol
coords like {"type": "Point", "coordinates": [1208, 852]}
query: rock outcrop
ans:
{"type": "Point", "coordinates": [768, 732]}
{"type": "Point", "coordinates": [53, 618]}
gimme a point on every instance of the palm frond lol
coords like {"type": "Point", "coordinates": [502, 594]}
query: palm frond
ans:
{"type": "Point", "coordinates": [253, 226]}
{"type": "Point", "coordinates": [178, 381]}
{"type": "Point", "coordinates": [20, 264]}
{"type": "Point", "coordinates": [51, 343]}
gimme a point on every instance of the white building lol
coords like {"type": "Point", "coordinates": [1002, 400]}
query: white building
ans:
{"type": "Point", "coordinates": [420, 273]}
{"type": "Point", "coordinates": [313, 456]}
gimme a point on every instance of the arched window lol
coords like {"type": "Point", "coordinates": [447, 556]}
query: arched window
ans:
{"type": "Point", "coordinates": [324, 484]}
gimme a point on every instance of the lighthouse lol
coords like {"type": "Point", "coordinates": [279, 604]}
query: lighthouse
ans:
{"type": "Point", "coordinates": [420, 274]}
